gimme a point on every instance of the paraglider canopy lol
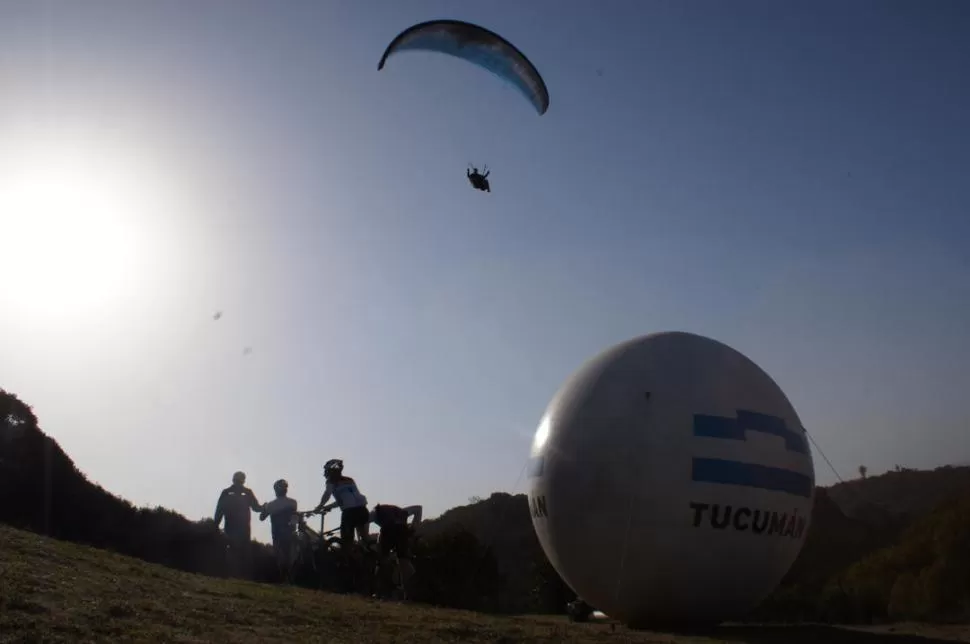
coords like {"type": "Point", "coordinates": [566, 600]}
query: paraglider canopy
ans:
{"type": "Point", "coordinates": [476, 45]}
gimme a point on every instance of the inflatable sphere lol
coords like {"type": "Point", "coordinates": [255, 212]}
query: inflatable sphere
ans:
{"type": "Point", "coordinates": [671, 482]}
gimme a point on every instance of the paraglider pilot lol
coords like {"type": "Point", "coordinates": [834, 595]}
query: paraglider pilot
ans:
{"type": "Point", "coordinates": [479, 181]}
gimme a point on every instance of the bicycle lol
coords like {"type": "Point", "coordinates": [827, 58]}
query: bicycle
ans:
{"type": "Point", "coordinates": [365, 569]}
{"type": "Point", "coordinates": [353, 568]}
{"type": "Point", "coordinates": [318, 554]}
{"type": "Point", "coordinates": [309, 546]}
{"type": "Point", "coordinates": [362, 568]}
{"type": "Point", "coordinates": [389, 575]}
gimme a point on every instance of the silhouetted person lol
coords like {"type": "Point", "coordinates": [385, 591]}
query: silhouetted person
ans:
{"type": "Point", "coordinates": [236, 504]}
{"type": "Point", "coordinates": [395, 536]}
{"type": "Point", "coordinates": [281, 512]}
{"type": "Point", "coordinates": [474, 178]}
{"type": "Point", "coordinates": [479, 181]}
{"type": "Point", "coordinates": [354, 516]}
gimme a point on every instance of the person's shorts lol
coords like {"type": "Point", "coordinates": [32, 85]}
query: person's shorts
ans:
{"type": "Point", "coordinates": [350, 519]}
{"type": "Point", "coordinates": [394, 538]}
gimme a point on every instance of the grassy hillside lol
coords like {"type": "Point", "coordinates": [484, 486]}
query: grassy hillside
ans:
{"type": "Point", "coordinates": [56, 591]}
{"type": "Point", "coordinates": [53, 591]}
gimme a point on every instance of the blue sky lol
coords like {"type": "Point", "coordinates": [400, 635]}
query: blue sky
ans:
{"type": "Point", "coordinates": [788, 179]}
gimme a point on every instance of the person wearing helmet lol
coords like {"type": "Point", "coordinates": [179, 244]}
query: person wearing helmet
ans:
{"type": "Point", "coordinates": [353, 504]}
{"type": "Point", "coordinates": [236, 505]}
{"type": "Point", "coordinates": [282, 512]}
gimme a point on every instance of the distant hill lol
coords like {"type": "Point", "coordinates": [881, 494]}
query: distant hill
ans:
{"type": "Point", "coordinates": [904, 493]}
{"type": "Point", "coordinates": [502, 524]}
{"type": "Point", "coordinates": [924, 575]}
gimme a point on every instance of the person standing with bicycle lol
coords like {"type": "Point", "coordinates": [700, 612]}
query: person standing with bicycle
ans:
{"type": "Point", "coordinates": [395, 531]}
{"type": "Point", "coordinates": [353, 505]}
{"type": "Point", "coordinates": [395, 536]}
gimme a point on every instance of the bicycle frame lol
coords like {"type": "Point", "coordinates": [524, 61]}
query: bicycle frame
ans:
{"type": "Point", "coordinates": [362, 565]}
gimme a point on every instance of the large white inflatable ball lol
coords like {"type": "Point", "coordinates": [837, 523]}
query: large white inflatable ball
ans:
{"type": "Point", "coordinates": [671, 482]}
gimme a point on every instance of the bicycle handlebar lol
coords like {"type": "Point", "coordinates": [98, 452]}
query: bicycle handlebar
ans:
{"type": "Point", "coordinates": [310, 513]}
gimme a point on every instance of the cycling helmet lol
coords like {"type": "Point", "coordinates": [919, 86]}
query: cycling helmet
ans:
{"type": "Point", "coordinates": [280, 487]}
{"type": "Point", "coordinates": [333, 467]}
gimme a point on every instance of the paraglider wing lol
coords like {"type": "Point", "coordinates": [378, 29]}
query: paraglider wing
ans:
{"type": "Point", "coordinates": [476, 45]}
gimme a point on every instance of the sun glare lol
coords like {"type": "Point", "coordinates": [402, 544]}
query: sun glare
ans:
{"type": "Point", "coordinates": [72, 231]}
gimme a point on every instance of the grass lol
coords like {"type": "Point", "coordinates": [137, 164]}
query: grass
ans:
{"type": "Point", "coordinates": [53, 591]}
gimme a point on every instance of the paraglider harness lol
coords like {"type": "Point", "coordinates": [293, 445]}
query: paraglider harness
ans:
{"type": "Point", "coordinates": [478, 181]}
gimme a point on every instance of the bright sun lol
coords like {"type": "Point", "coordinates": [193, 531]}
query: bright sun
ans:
{"type": "Point", "coordinates": [70, 224]}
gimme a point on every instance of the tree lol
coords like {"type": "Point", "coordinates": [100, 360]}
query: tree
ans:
{"type": "Point", "coordinates": [862, 471]}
